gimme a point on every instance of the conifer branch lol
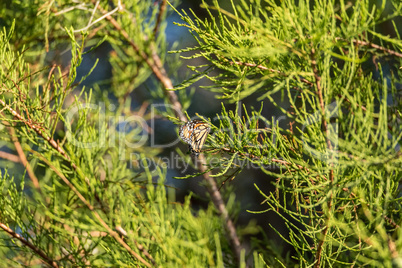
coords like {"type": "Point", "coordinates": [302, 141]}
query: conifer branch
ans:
{"type": "Point", "coordinates": [275, 160]}
{"type": "Point", "coordinates": [10, 157]}
{"type": "Point", "coordinates": [23, 159]}
{"type": "Point", "coordinates": [45, 258]}
{"type": "Point", "coordinates": [112, 233]}
{"type": "Point", "coordinates": [58, 148]}
{"type": "Point", "coordinates": [162, 11]}
{"type": "Point", "coordinates": [220, 206]}
{"type": "Point", "coordinates": [160, 73]}
{"type": "Point", "coordinates": [156, 67]}
{"type": "Point", "coordinates": [387, 50]}
{"type": "Point", "coordinates": [369, 44]}
{"type": "Point", "coordinates": [29, 123]}
{"type": "Point", "coordinates": [259, 54]}
{"type": "Point", "coordinates": [140, 247]}
{"type": "Point", "coordinates": [261, 67]}
{"type": "Point", "coordinates": [304, 80]}
{"type": "Point", "coordinates": [38, 129]}
{"type": "Point", "coordinates": [329, 146]}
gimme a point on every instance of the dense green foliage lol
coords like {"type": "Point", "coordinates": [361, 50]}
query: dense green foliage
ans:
{"type": "Point", "coordinates": [87, 195]}
{"type": "Point", "coordinates": [339, 184]}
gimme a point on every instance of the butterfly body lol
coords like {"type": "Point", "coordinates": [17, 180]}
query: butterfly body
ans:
{"type": "Point", "coordinates": [194, 133]}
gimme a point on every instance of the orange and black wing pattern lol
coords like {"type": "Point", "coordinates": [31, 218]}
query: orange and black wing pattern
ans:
{"type": "Point", "coordinates": [194, 133]}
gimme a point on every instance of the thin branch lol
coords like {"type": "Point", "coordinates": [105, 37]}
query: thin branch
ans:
{"type": "Point", "coordinates": [320, 246]}
{"type": "Point", "coordinates": [112, 233]}
{"type": "Point", "coordinates": [219, 204]}
{"type": "Point", "coordinates": [387, 50]}
{"type": "Point", "coordinates": [329, 145]}
{"type": "Point", "coordinates": [391, 222]}
{"type": "Point", "coordinates": [144, 251]}
{"type": "Point", "coordinates": [321, 100]}
{"type": "Point", "coordinates": [162, 10]}
{"type": "Point", "coordinates": [38, 251]}
{"type": "Point", "coordinates": [159, 71]}
{"type": "Point", "coordinates": [275, 160]}
{"type": "Point", "coordinates": [370, 44]}
{"type": "Point", "coordinates": [348, 101]}
{"type": "Point", "coordinates": [53, 144]}
{"type": "Point", "coordinates": [37, 129]}
{"type": "Point", "coordinates": [90, 19]}
{"type": "Point", "coordinates": [97, 20]}
{"type": "Point", "coordinates": [261, 67]}
{"type": "Point", "coordinates": [304, 80]}
{"type": "Point", "coordinates": [79, 6]}
{"type": "Point", "coordinates": [10, 157]}
{"type": "Point", "coordinates": [23, 159]}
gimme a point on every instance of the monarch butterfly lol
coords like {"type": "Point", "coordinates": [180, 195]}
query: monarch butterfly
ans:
{"type": "Point", "coordinates": [194, 133]}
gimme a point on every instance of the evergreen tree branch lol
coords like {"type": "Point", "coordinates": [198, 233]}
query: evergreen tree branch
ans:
{"type": "Point", "coordinates": [304, 80]}
{"type": "Point", "coordinates": [156, 67]}
{"type": "Point", "coordinates": [10, 157]}
{"type": "Point", "coordinates": [342, 214]}
{"type": "Point", "coordinates": [220, 206]}
{"type": "Point", "coordinates": [58, 148]}
{"type": "Point", "coordinates": [140, 247]}
{"type": "Point", "coordinates": [259, 66]}
{"type": "Point", "coordinates": [369, 44]}
{"type": "Point", "coordinates": [275, 160]}
{"type": "Point", "coordinates": [162, 10]}
{"type": "Point", "coordinates": [322, 105]}
{"type": "Point", "coordinates": [45, 258]}
{"type": "Point", "coordinates": [112, 233]}
{"type": "Point", "coordinates": [160, 73]}
{"type": "Point", "coordinates": [38, 130]}
{"type": "Point", "coordinates": [23, 159]}
{"type": "Point", "coordinates": [387, 50]}
{"type": "Point", "coordinates": [329, 146]}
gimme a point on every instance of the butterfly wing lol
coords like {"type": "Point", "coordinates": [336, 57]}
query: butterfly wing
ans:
{"type": "Point", "coordinates": [194, 133]}
{"type": "Point", "coordinates": [200, 134]}
{"type": "Point", "coordinates": [186, 133]}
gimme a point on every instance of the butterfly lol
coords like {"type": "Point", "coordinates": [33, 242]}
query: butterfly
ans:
{"type": "Point", "coordinates": [194, 133]}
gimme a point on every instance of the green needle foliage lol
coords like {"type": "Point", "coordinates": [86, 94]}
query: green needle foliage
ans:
{"type": "Point", "coordinates": [76, 185]}
{"type": "Point", "coordinates": [336, 78]}
{"type": "Point", "coordinates": [84, 197]}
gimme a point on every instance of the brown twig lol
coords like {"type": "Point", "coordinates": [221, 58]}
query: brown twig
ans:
{"type": "Point", "coordinates": [37, 250]}
{"type": "Point", "coordinates": [387, 50]}
{"type": "Point", "coordinates": [23, 159]}
{"type": "Point", "coordinates": [38, 130]}
{"type": "Point", "coordinates": [162, 10]}
{"type": "Point", "coordinates": [391, 222]}
{"type": "Point", "coordinates": [320, 97]}
{"type": "Point", "coordinates": [159, 71]}
{"type": "Point", "coordinates": [10, 157]}
{"type": "Point", "coordinates": [144, 251]}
